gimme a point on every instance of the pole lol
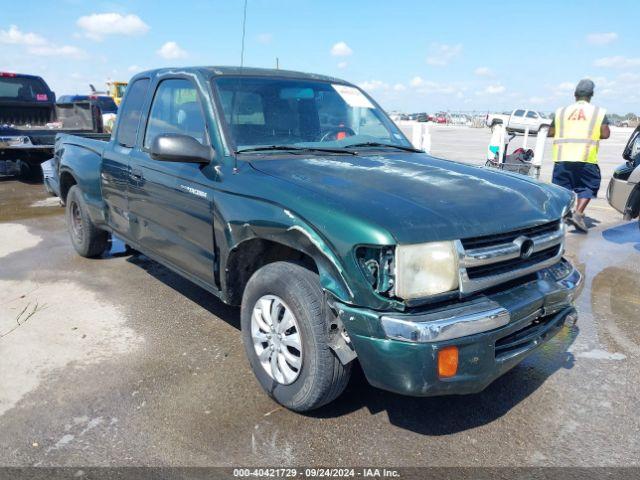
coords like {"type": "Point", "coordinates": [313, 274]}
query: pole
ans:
{"type": "Point", "coordinates": [538, 151]}
{"type": "Point", "coordinates": [244, 25]}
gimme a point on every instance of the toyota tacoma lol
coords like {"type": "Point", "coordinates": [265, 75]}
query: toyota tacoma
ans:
{"type": "Point", "coordinates": [295, 197]}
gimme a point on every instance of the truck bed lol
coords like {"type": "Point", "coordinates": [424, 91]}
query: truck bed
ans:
{"type": "Point", "coordinates": [33, 142]}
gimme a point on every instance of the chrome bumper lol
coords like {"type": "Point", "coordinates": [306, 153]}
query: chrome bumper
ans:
{"type": "Point", "coordinates": [555, 289]}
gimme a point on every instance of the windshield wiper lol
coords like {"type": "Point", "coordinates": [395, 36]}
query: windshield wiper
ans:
{"type": "Point", "coordinates": [390, 145]}
{"type": "Point", "coordinates": [291, 148]}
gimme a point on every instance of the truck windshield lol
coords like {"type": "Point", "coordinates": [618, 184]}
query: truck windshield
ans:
{"type": "Point", "coordinates": [23, 89]}
{"type": "Point", "coordinates": [301, 113]}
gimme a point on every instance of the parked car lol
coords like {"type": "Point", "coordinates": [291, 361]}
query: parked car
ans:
{"type": "Point", "coordinates": [30, 119]}
{"type": "Point", "coordinates": [338, 240]}
{"type": "Point", "coordinates": [628, 122]}
{"type": "Point", "coordinates": [460, 119]}
{"type": "Point", "coordinates": [521, 119]}
{"type": "Point", "coordinates": [440, 117]}
{"type": "Point", "coordinates": [623, 193]}
{"type": "Point", "coordinates": [398, 117]}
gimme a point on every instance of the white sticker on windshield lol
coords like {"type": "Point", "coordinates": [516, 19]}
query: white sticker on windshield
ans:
{"type": "Point", "coordinates": [352, 96]}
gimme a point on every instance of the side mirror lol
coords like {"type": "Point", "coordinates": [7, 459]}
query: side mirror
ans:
{"type": "Point", "coordinates": [174, 147]}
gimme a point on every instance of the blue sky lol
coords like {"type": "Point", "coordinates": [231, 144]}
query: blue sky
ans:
{"type": "Point", "coordinates": [410, 55]}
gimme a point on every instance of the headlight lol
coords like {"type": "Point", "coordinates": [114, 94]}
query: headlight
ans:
{"type": "Point", "coordinates": [568, 210]}
{"type": "Point", "coordinates": [425, 269]}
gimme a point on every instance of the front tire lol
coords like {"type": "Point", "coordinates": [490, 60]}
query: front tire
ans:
{"type": "Point", "coordinates": [286, 337]}
{"type": "Point", "coordinates": [88, 240]}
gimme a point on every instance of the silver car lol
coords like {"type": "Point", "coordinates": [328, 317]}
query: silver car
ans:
{"type": "Point", "coordinates": [623, 193]}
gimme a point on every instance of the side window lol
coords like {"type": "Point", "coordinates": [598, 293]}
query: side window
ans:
{"type": "Point", "coordinates": [518, 113]}
{"type": "Point", "coordinates": [175, 109]}
{"type": "Point", "coordinates": [130, 114]}
{"type": "Point", "coordinates": [531, 114]}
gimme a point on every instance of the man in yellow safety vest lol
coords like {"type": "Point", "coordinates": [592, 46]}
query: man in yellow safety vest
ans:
{"type": "Point", "coordinates": [577, 130]}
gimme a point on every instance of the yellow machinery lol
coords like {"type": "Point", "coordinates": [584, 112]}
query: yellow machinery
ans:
{"type": "Point", "coordinates": [116, 91]}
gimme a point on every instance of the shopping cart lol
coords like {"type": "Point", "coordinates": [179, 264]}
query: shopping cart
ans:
{"type": "Point", "coordinates": [519, 162]}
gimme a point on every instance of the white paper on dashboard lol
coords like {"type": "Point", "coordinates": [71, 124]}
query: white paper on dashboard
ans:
{"type": "Point", "coordinates": [352, 96]}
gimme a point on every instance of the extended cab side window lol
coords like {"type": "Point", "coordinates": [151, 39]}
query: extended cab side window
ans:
{"type": "Point", "coordinates": [518, 113]}
{"type": "Point", "coordinates": [175, 109]}
{"type": "Point", "coordinates": [130, 113]}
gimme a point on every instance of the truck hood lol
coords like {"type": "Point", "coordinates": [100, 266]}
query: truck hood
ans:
{"type": "Point", "coordinates": [419, 198]}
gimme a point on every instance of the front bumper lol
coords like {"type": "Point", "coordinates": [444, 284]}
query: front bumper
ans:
{"type": "Point", "coordinates": [516, 321]}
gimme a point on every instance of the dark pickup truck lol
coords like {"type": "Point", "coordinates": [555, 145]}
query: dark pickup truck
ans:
{"type": "Point", "coordinates": [30, 120]}
{"type": "Point", "coordinates": [294, 196]}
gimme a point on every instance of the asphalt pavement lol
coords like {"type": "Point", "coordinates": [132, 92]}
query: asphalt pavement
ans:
{"type": "Point", "coordinates": [119, 362]}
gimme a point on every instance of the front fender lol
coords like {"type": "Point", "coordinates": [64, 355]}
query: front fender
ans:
{"type": "Point", "coordinates": [240, 219]}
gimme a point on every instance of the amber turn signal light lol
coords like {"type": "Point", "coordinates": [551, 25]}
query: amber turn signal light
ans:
{"type": "Point", "coordinates": [447, 362]}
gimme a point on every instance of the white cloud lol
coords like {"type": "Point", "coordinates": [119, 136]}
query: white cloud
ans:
{"type": "Point", "coordinates": [617, 61]}
{"type": "Point", "coordinates": [14, 36]}
{"type": "Point", "coordinates": [564, 88]}
{"type": "Point", "coordinates": [494, 89]}
{"type": "Point", "coordinates": [135, 68]}
{"type": "Point", "coordinates": [441, 54]}
{"type": "Point", "coordinates": [343, 65]}
{"type": "Point", "coordinates": [430, 87]}
{"type": "Point", "coordinates": [52, 50]}
{"type": "Point", "coordinates": [371, 85]}
{"type": "Point", "coordinates": [416, 81]}
{"type": "Point", "coordinates": [98, 25]}
{"type": "Point", "coordinates": [536, 101]}
{"type": "Point", "coordinates": [38, 45]}
{"type": "Point", "coordinates": [265, 38]}
{"type": "Point", "coordinates": [483, 72]}
{"type": "Point", "coordinates": [171, 51]}
{"type": "Point", "coordinates": [399, 87]}
{"type": "Point", "coordinates": [602, 38]}
{"type": "Point", "coordinates": [341, 49]}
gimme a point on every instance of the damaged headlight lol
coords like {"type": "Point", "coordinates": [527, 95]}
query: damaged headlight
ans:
{"type": "Point", "coordinates": [568, 210]}
{"type": "Point", "coordinates": [425, 269]}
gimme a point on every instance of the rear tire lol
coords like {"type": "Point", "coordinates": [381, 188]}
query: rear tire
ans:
{"type": "Point", "coordinates": [321, 377]}
{"type": "Point", "coordinates": [88, 240]}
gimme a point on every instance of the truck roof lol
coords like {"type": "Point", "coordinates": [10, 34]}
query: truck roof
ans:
{"type": "Point", "coordinates": [248, 71]}
{"type": "Point", "coordinates": [20, 75]}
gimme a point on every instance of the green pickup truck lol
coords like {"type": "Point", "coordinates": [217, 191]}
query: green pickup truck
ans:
{"type": "Point", "coordinates": [294, 196]}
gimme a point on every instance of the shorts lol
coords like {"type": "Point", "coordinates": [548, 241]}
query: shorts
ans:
{"type": "Point", "coordinates": [580, 177]}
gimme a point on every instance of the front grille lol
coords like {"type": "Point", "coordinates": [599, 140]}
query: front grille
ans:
{"type": "Point", "coordinates": [497, 259]}
{"type": "Point", "coordinates": [513, 264]}
{"type": "Point", "coordinates": [489, 240]}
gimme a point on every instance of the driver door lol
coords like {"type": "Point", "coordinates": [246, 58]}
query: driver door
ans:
{"type": "Point", "coordinates": [171, 203]}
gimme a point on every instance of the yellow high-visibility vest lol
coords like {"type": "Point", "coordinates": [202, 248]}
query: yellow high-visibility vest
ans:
{"type": "Point", "coordinates": [577, 133]}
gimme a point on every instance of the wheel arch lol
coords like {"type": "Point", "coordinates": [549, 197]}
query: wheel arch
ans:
{"type": "Point", "coordinates": [67, 180]}
{"type": "Point", "coordinates": [252, 253]}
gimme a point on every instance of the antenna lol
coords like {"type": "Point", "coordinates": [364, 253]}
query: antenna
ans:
{"type": "Point", "coordinates": [244, 25]}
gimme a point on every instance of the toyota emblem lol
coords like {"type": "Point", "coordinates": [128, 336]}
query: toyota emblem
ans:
{"type": "Point", "coordinates": [526, 245]}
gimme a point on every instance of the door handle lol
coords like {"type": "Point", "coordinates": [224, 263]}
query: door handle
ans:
{"type": "Point", "coordinates": [136, 175]}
